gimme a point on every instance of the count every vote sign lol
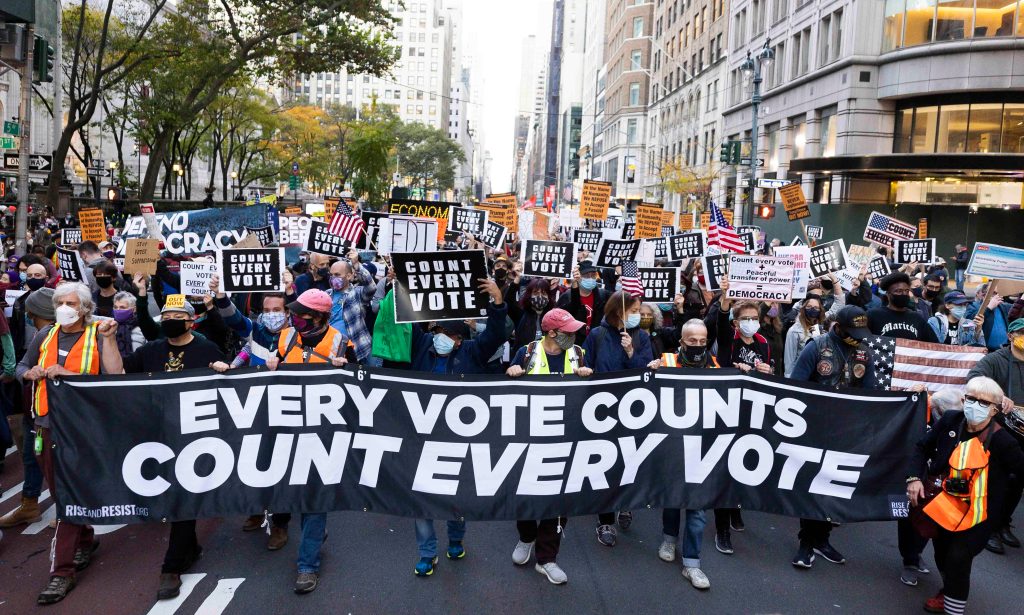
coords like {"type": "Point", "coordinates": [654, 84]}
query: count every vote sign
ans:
{"type": "Point", "coordinates": [439, 285]}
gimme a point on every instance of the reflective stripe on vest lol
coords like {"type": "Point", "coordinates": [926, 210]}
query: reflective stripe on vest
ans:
{"type": "Point", "coordinates": [539, 359]}
{"type": "Point", "coordinates": [84, 358]}
{"type": "Point", "coordinates": [968, 461]}
{"type": "Point", "coordinates": [671, 359]}
{"type": "Point", "coordinates": [298, 353]}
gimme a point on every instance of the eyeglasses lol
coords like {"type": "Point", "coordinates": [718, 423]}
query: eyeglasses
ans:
{"type": "Point", "coordinates": [972, 398]}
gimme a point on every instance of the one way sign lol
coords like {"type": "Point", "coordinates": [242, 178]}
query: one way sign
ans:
{"type": "Point", "coordinates": [36, 162]}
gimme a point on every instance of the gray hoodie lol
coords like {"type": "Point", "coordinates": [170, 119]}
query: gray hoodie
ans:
{"type": "Point", "coordinates": [1006, 370]}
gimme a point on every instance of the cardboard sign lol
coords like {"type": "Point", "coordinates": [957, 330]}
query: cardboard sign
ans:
{"type": "Point", "coordinates": [93, 226]}
{"type": "Point", "coordinates": [594, 199]}
{"type": "Point", "coordinates": [466, 220]}
{"type": "Point", "coordinates": [628, 231]}
{"type": "Point", "coordinates": [760, 278]}
{"type": "Point", "coordinates": [265, 234]}
{"type": "Point", "coordinates": [371, 224]}
{"type": "Point", "coordinates": [586, 240]}
{"type": "Point", "coordinates": [922, 228]}
{"type": "Point", "coordinates": [794, 201]}
{"type": "Point", "coordinates": [885, 230]}
{"type": "Point", "coordinates": [861, 255]}
{"type": "Point", "coordinates": [995, 261]}
{"type": "Point", "coordinates": [251, 270]}
{"type": "Point", "coordinates": [439, 286]}
{"type": "Point", "coordinates": [322, 241]}
{"type": "Point", "coordinates": [914, 251]}
{"type": "Point", "coordinates": [249, 241]}
{"type": "Point", "coordinates": [878, 267]}
{"type": "Point", "coordinates": [611, 252]}
{"type": "Point", "coordinates": [70, 237]}
{"type": "Point", "coordinates": [661, 284]}
{"type": "Point", "coordinates": [541, 225]}
{"type": "Point", "coordinates": [141, 256]}
{"type": "Point", "coordinates": [195, 277]}
{"type": "Point", "coordinates": [648, 221]}
{"type": "Point", "coordinates": [548, 259]}
{"type": "Point", "coordinates": [494, 236]}
{"type": "Point", "coordinates": [70, 264]}
{"type": "Point", "coordinates": [149, 217]}
{"type": "Point", "coordinates": [716, 267]}
{"type": "Point", "coordinates": [175, 302]}
{"type": "Point", "coordinates": [405, 234]}
{"type": "Point", "coordinates": [801, 257]}
{"type": "Point", "coordinates": [828, 258]}
{"type": "Point", "coordinates": [815, 232]}
{"type": "Point", "coordinates": [687, 245]}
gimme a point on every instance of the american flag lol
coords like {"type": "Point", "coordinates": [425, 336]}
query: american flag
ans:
{"type": "Point", "coordinates": [721, 234]}
{"type": "Point", "coordinates": [631, 279]}
{"type": "Point", "coordinates": [885, 230]}
{"type": "Point", "coordinates": [346, 223]}
{"type": "Point", "coordinates": [900, 364]}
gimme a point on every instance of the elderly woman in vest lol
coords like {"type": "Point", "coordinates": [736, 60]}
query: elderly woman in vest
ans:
{"type": "Point", "coordinates": [973, 457]}
{"type": "Point", "coordinates": [77, 344]}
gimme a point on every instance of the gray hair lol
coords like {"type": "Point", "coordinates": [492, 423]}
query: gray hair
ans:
{"type": "Point", "coordinates": [690, 324]}
{"type": "Point", "coordinates": [125, 296]}
{"type": "Point", "coordinates": [987, 387]}
{"type": "Point", "coordinates": [84, 296]}
{"type": "Point", "coordinates": [659, 320]}
{"type": "Point", "coordinates": [948, 399]}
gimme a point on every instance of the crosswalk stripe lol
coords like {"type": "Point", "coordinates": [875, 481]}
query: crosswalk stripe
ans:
{"type": "Point", "coordinates": [169, 607]}
{"type": "Point", "coordinates": [10, 493]}
{"type": "Point", "coordinates": [11, 451]}
{"type": "Point", "coordinates": [219, 598]}
{"type": "Point", "coordinates": [100, 530]}
{"type": "Point", "coordinates": [42, 524]}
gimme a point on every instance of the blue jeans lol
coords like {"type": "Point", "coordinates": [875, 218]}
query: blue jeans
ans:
{"type": "Point", "coordinates": [314, 527]}
{"type": "Point", "coordinates": [693, 535]}
{"type": "Point", "coordinates": [426, 538]}
{"type": "Point", "coordinates": [960, 275]}
{"type": "Point", "coordinates": [33, 473]}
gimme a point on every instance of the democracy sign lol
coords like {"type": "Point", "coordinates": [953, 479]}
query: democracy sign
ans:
{"type": "Point", "coordinates": [760, 278]}
{"type": "Point", "coordinates": [466, 220]}
{"type": "Point", "coordinates": [828, 258]}
{"type": "Point", "coordinates": [995, 261]}
{"type": "Point", "coordinates": [199, 231]}
{"type": "Point", "coordinates": [371, 224]}
{"type": "Point", "coordinates": [70, 264]}
{"type": "Point", "coordinates": [322, 241]}
{"type": "Point", "coordinates": [715, 267]}
{"type": "Point", "coordinates": [586, 240]}
{"type": "Point", "coordinates": [914, 251]}
{"type": "Point", "coordinates": [319, 439]}
{"type": "Point", "coordinates": [878, 268]}
{"type": "Point", "coordinates": [686, 245]}
{"type": "Point", "coordinates": [70, 237]}
{"type": "Point", "coordinates": [548, 259]}
{"type": "Point", "coordinates": [801, 257]}
{"type": "Point", "coordinates": [196, 276]}
{"type": "Point", "coordinates": [439, 285]}
{"type": "Point", "coordinates": [265, 234]}
{"type": "Point", "coordinates": [611, 252]}
{"type": "Point", "coordinates": [493, 236]}
{"type": "Point", "coordinates": [661, 284]}
{"type": "Point", "coordinates": [251, 270]}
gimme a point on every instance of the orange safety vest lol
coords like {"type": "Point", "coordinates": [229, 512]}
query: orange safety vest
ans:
{"type": "Point", "coordinates": [669, 359]}
{"type": "Point", "coordinates": [84, 358]}
{"type": "Point", "coordinates": [958, 512]}
{"type": "Point", "coordinates": [291, 351]}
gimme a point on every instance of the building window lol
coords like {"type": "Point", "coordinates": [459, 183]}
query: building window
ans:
{"type": "Point", "coordinates": [631, 131]}
{"type": "Point", "coordinates": [827, 131]}
{"type": "Point", "coordinates": [799, 131]}
{"type": "Point", "coordinates": [919, 22]}
{"type": "Point", "coordinates": [638, 27]}
{"type": "Point", "coordinates": [952, 132]}
{"type": "Point", "coordinates": [771, 134]}
{"type": "Point", "coordinates": [634, 94]}
{"type": "Point", "coordinates": [636, 60]}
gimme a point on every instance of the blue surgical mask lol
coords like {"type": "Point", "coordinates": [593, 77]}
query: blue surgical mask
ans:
{"type": "Point", "coordinates": [958, 311]}
{"type": "Point", "coordinates": [481, 326]}
{"type": "Point", "coordinates": [443, 344]}
{"type": "Point", "coordinates": [588, 283]}
{"type": "Point", "coordinates": [633, 320]}
{"type": "Point", "coordinates": [976, 412]}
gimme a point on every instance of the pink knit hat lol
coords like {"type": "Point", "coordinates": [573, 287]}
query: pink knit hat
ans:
{"type": "Point", "coordinates": [313, 300]}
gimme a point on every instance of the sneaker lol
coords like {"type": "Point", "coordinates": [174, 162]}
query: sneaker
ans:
{"type": "Point", "coordinates": [909, 576]}
{"type": "Point", "coordinates": [625, 519]}
{"type": "Point", "coordinates": [667, 550]}
{"type": "Point", "coordinates": [253, 523]}
{"type": "Point", "coordinates": [804, 557]}
{"type": "Point", "coordinates": [306, 582]}
{"type": "Point", "coordinates": [606, 535]}
{"type": "Point", "coordinates": [456, 550]}
{"type": "Point", "coordinates": [425, 567]}
{"type": "Point", "coordinates": [995, 544]}
{"type": "Point", "coordinates": [829, 552]}
{"type": "Point", "coordinates": [1008, 538]}
{"type": "Point", "coordinates": [83, 557]}
{"type": "Point", "coordinates": [552, 571]}
{"type": "Point", "coordinates": [56, 590]}
{"type": "Point", "coordinates": [723, 542]}
{"type": "Point", "coordinates": [521, 554]}
{"type": "Point", "coordinates": [936, 604]}
{"type": "Point", "coordinates": [697, 577]}
{"type": "Point", "coordinates": [170, 586]}
{"type": "Point", "coordinates": [278, 538]}
{"type": "Point", "coordinates": [736, 521]}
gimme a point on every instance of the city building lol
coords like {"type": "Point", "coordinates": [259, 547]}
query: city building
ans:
{"type": "Point", "coordinates": [570, 100]}
{"type": "Point", "coordinates": [591, 137]}
{"type": "Point", "coordinates": [524, 113]}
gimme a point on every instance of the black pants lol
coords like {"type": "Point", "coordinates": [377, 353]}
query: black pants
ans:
{"type": "Point", "coordinates": [954, 555]}
{"type": "Point", "coordinates": [606, 519]}
{"type": "Point", "coordinates": [722, 518]}
{"type": "Point", "coordinates": [182, 547]}
{"type": "Point", "coordinates": [545, 533]}
{"type": "Point", "coordinates": [1014, 489]}
{"type": "Point", "coordinates": [280, 519]}
{"type": "Point", "coordinates": [910, 542]}
{"type": "Point", "coordinates": [813, 532]}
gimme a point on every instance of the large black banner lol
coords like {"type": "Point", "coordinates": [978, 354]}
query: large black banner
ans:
{"type": "Point", "coordinates": [309, 438]}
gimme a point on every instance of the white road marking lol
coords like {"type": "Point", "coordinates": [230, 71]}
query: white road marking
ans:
{"type": "Point", "coordinates": [169, 607]}
{"type": "Point", "coordinates": [10, 493]}
{"type": "Point", "coordinates": [11, 451]}
{"type": "Point", "coordinates": [99, 530]}
{"type": "Point", "coordinates": [220, 597]}
{"type": "Point", "coordinates": [44, 523]}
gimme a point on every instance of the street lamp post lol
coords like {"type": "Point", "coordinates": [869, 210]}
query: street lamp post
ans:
{"type": "Point", "coordinates": [181, 177]}
{"type": "Point", "coordinates": [176, 168]}
{"type": "Point", "coordinates": [752, 68]}
{"type": "Point", "coordinates": [234, 177]}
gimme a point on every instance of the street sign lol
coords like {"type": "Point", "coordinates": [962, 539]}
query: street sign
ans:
{"type": "Point", "coordinates": [7, 143]}
{"type": "Point", "coordinates": [12, 128]}
{"type": "Point", "coordinates": [98, 172]}
{"type": "Point", "coordinates": [746, 162]}
{"type": "Point", "coordinates": [36, 162]}
{"type": "Point", "coordinates": [772, 183]}
{"type": "Point", "coordinates": [295, 168]}
{"type": "Point", "coordinates": [293, 182]}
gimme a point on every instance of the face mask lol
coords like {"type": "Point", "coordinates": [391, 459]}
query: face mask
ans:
{"type": "Point", "coordinates": [66, 315]}
{"type": "Point", "coordinates": [564, 340]}
{"type": "Point", "coordinates": [539, 302]}
{"type": "Point", "coordinates": [958, 311]}
{"type": "Point", "coordinates": [105, 282]}
{"type": "Point", "coordinates": [899, 302]}
{"type": "Point", "coordinates": [480, 327]}
{"type": "Point", "coordinates": [323, 272]}
{"type": "Point", "coordinates": [500, 275]}
{"type": "Point", "coordinates": [931, 294]}
{"type": "Point", "coordinates": [976, 412]}
{"type": "Point", "coordinates": [694, 354]}
{"type": "Point", "coordinates": [123, 316]}
{"type": "Point", "coordinates": [109, 255]}
{"type": "Point", "coordinates": [812, 313]}
{"type": "Point", "coordinates": [773, 312]}
{"type": "Point", "coordinates": [646, 322]}
{"type": "Point", "coordinates": [749, 327]}
{"type": "Point", "coordinates": [1019, 343]}
{"type": "Point", "coordinates": [174, 328]}
{"type": "Point", "coordinates": [273, 321]}
{"type": "Point", "coordinates": [632, 321]}
{"type": "Point", "coordinates": [338, 283]}
{"type": "Point", "coordinates": [588, 284]}
{"type": "Point", "coordinates": [301, 324]}
{"type": "Point", "coordinates": [443, 344]}
{"type": "Point", "coordinates": [916, 291]}
{"type": "Point", "coordinates": [35, 283]}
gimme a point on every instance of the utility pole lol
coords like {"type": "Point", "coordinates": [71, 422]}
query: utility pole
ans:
{"type": "Point", "coordinates": [25, 118]}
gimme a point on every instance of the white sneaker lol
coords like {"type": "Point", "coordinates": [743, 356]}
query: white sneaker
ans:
{"type": "Point", "coordinates": [667, 551]}
{"type": "Point", "coordinates": [521, 554]}
{"type": "Point", "coordinates": [697, 577]}
{"type": "Point", "coordinates": [553, 572]}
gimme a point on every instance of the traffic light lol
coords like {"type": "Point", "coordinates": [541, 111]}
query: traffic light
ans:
{"type": "Point", "coordinates": [43, 62]}
{"type": "Point", "coordinates": [729, 152]}
{"type": "Point", "coordinates": [765, 211]}
{"type": "Point", "coordinates": [723, 152]}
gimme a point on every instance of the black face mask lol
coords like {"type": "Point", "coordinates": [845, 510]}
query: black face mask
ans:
{"type": "Point", "coordinates": [500, 275]}
{"type": "Point", "coordinates": [827, 285]}
{"type": "Point", "coordinates": [173, 328]}
{"type": "Point", "coordinates": [930, 294]}
{"type": "Point", "coordinates": [916, 291]}
{"type": "Point", "coordinates": [105, 282]}
{"type": "Point", "coordinates": [694, 354]}
{"type": "Point", "coordinates": [323, 272]}
{"type": "Point", "coordinates": [899, 302]}
{"type": "Point", "coordinates": [35, 283]}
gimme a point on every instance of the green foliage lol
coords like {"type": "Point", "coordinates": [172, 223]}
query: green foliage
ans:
{"type": "Point", "coordinates": [427, 156]}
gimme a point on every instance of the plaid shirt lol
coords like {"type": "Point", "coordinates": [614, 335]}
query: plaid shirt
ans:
{"type": "Point", "coordinates": [347, 310]}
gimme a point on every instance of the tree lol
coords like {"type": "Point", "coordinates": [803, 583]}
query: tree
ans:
{"type": "Point", "coordinates": [428, 156]}
{"type": "Point", "coordinates": [690, 181]}
{"type": "Point", "coordinates": [369, 152]}
{"type": "Point", "coordinates": [242, 122]}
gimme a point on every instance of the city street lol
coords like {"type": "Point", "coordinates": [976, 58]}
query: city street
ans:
{"type": "Point", "coordinates": [368, 560]}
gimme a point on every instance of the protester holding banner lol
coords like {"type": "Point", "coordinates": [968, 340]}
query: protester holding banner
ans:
{"type": "Point", "coordinates": [585, 300]}
{"type": "Point", "coordinates": [810, 323]}
{"type": "Point", "coordinates": [974, 458]}
{"type": "Point", "coordinates": [894, 319]}
{"type": "Point", "coordinates": [129, 334]}
{"type": "Point", "coordinates": [264, 330]}
{"type": "Point", "coordinates": [76, 344]}
{"type": "Point", "coordinates": [996, 317]}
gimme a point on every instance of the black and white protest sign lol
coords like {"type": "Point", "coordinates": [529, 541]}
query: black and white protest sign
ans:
{"type": "Point", "coordinates": [368, 240]}
{"type": "Point", "coordinates": [661, 284]}
{"type": "Point", "coordinates": [251, 270]}
{"type": "Point", "coordinates": [439, 285]}
{"type": "Point", "coordinates": [548, 259]}
{"type": "Point", "coordinates": [629, 231]}
{"type": "Point", "coordinates": [798, 241]}
{"type": "Point", "coordinates": [466, 220]}
{"type": "Point", "coordinates": [801, 257]}
{"type": "Point", "coordinates": [70, 236]}
{"type": "Point", "coordinates": [756, 241]}
{"type": "Point", "coordinates": [760, 278]}
{"type": "Point", "coordinates": [494, 236]}
{"type": "Point", "coordinates": [828, 258]}
{"type": "Point", "coordinates": [815, 232]}
{"type": "Point", "coordinates": [914, 251]}
{"type": "Point", "coordinates": [715, 267]}
{"type": "Point", "coordinates": [265, 234]}
{"type": "Point", "coordinates": [322, 241]}
{"type": "Point", "coordinates": [749, 241]}
{"type": "Point", "coordinates": [878, 267]}
{"type": "Point", "coordinates": [609, 222]}
{"type": "Point", "coordinates": [405, 234]}
{"type": "Point", "coordinates": [686, 245]}
{"type": "Point", "coordinates": [611, 252]}
{"type": "Point", "coordinates": [586, 240]}
{"type": "Point", "coordinates": [195, 277]}
{"type": "Point", "coordinates": [315, 438]}
{"type": "Point", "coordinates": [668, 231]}
{"type": "Point", "coordinates": [70, 264]}
{"type": "Point", "coordinates": [660, 246]}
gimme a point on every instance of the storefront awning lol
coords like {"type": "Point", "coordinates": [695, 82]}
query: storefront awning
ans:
{"type": "Point", "coordinates": [992, 166]}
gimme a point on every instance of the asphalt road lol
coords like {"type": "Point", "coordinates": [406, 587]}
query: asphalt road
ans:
{"type": "Point", "coordinates": [368, 561]}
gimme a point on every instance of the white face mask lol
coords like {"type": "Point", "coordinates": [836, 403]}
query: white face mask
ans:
{"type": "Point", "coordinates": [66, 315]}
{"type": "Point", "coordinates": [749, 327]}
{"type": "Point", "coordinates": [976, 412]}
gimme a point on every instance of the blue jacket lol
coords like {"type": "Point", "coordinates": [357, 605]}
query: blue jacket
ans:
{"type": "Point", "coordinates": [604, 353]}
{"type": "Point", "coordinates": [471, 356]}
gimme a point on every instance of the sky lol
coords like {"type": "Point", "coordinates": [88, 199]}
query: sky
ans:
{"type": "Point", "coordinates": [493, 35]}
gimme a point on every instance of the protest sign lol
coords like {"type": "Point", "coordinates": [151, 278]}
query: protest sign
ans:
{"type": "Point", "coordinates": [249, 241]}
{"type": "Point", "coordinates": [439, 285]}
{"type": "Point", "coordinates": [794, 201]}
{"type": "Point", "coordinates": [330, 206]}
{"type": "Point", "coordinates": [686, 245]}
{"type": "Point", "coordinates": [70, 264]}
{"type": "Point", "coordinates": [293, 211]}
{"type": "Point", "coordinates": [668, 218]}
{"type": "Point", "coordinates": [611, 252]}
{"type": "Point", "coordinates": [149, 218]}
{"type": "Point", "coordinates": [798, 241]}
{"type": "Point", "coordinates": [668, 231]}
{"type": "Point", "coordinates": [815, 232]}
{"type": "Point", "coordinates": [685, 221]}
{"type": "Point", "coordinates": [10, 296]}
{"type": "Point", "coordinates": [848, 277]}
{"type": "Point", "coordinates": [294, 230]}
{"type": "Point", "coordinates": [995, 261]}
{"type": "Point", "coordinates": [760, 278]}
{"type": "Point", "coordinates": [660, 246]}
{"type": "Point", "coordinates": [628, 231]}
{"type": "Point", "coordinates": [505, 214]}
{"type": "Point", "coordinates": [885, 230]}
{"type": "Point", "coordinates": [541, 225]}
{"type": "Point", "coordinates": [922, 228]}
{"type": "Point", "coordinates": [507, 199]}
{"type": "Point", "coordinates": [861, 255]}
{"type": "Point", "coordinates": [611, 222]}
{"type": "Point", "coordinates": [466, 220]}
{"type": "Point", "coordinates": [594, 199]}
{"type": "Point", "coordinates": [437, 210]}
{"type": "Point", "coordinates": [251, 270]}
{"type": "Point", "coordinates": [273, 219]}
{"type": "Point", "coordinates": [548, 259]}
{"type": "Point", "coordinates": [175, 301]}
{"type": "Point", "coordinates": [569, 218]}
{"type": "Point", "coordinates": [140, 256]}
{"type": "Point", "coordinates": [371, 225]}
{"type": "Point", "coordinates": [494, 236]}
{"type": "Point", "coordinates": [715, 267]}
{"type": "Point", "coordinates": [265, 234]}
{"type": "Point", "coordinates": [645, 255]}
{"type": "Point", "coordinates": [489, 447]}
{"type": "Point", "coordinates": [322, 241]}
{"type": "Point", "coordinates": [828, 258]}
{"type": "Point", "coordinates": [648, 221]}
{"type": "Point", "coordinates": [198, 231]}
{"type": "Point", "coordinates": [705, 218]}
{"type": "Point", "coordinates": [92, 224]}
{"type": "Point", "coordinates": [404, 234]}
{"type": "Point", "coordinates": [801, 257]}
{"type": "Point", "coordinates": [914, 251]}
{"type": "Point", "coordinates": [749, 242]}
{"type": "Point", "coordinates": [70, 237]}
{"type": "Point", "coordinates": [586, 240]}
{"type": "Point", "coordinates": [195, 277]}
{"type": "Point", "coordinates": [878, 267]}
{"type": "Point", "coordinates": [661, 284]}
